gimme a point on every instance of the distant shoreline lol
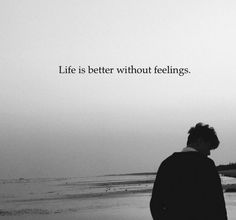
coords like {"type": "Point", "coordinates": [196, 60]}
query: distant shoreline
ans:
{"type": "Point", "coordinates": [228, 173]}
{"type": "Point", "coordinates": [225, 170]}
{"type": "Point", "coordinates": [132, 174]}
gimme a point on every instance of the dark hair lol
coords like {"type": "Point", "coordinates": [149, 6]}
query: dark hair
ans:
{"type": "Point", "coordinates": [205, 132]}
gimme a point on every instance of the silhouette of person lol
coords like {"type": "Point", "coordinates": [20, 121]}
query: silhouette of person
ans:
{"type": "Point", "coordinates": [187, 185]}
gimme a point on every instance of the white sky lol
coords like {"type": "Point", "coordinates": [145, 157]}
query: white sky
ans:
{"type": "Point", "coordinates": [58, 125]}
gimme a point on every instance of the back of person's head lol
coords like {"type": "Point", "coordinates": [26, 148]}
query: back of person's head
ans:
{"type": "Point", "coordinates": [204, 132]}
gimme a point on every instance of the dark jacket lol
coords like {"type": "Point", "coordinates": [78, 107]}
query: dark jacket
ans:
{"type": "Point", "coordinates": [188, 187]}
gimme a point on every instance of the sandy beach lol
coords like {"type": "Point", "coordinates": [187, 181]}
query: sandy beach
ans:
{"type": "Point", "coordinates": [105, 197]}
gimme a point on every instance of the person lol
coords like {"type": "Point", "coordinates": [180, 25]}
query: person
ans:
{"type": "Point", "coordinates": [187, 185]}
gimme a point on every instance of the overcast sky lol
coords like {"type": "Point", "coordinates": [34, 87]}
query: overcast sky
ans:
{"type": "Point", "coordinates": [54, 125]}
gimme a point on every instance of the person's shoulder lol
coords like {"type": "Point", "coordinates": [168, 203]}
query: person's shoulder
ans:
{"type": "Point", "coordinates": [182, 158]}
{"type": "Point", "coordinates": [211, 162]}
{"type": "Point", "coordinates": [188, 156]}
{"type": "Point", "coordinates": [169, 160]}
